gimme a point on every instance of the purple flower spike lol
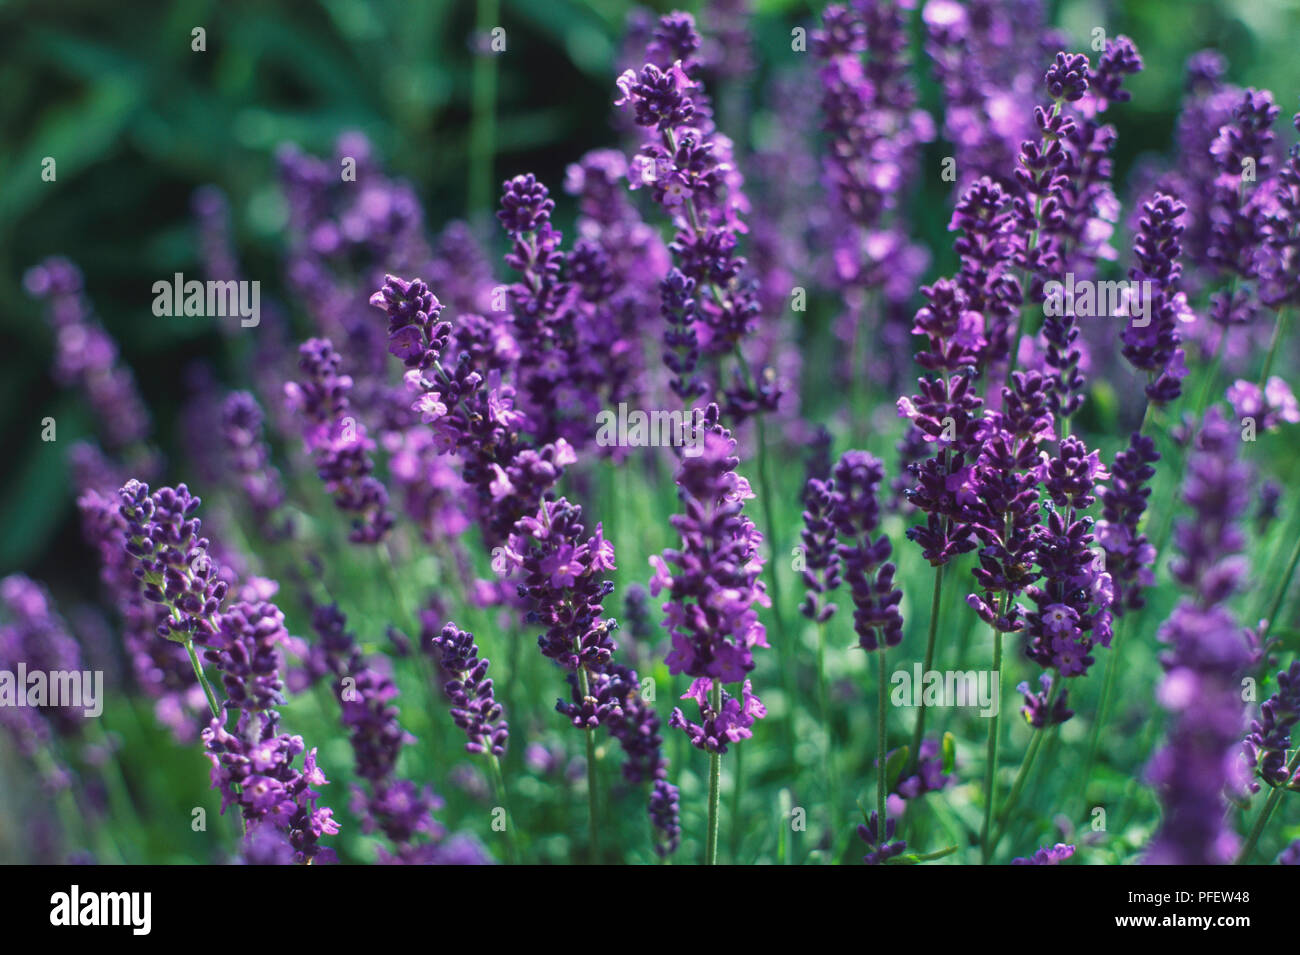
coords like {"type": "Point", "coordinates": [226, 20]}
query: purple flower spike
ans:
{"type": "Point", "coordinates": [713, 580]}
{"type": "Point", "coordinates": [1067, 77]}
{"type": "Point", "coordinates": [171, 559]}
{"type": "Point", "coordinates": [882, 850]}
{"type": "Point", "coordinates": [338, 441]}
{"type": "Point", "coordinates": [474, 707]}
{"type": "Point", "coordinates": [719, 727]}
{"type": "Point", "coordinates": [1269, 743]}
{"type": "Point", "coordinates": [855, 515]}
{"type": "Point", "coordinates": [1207, 657]}
{"type": "Point", "coordinates": [250, 460]}
{"type": "Point", "coordinates": [416, 336]}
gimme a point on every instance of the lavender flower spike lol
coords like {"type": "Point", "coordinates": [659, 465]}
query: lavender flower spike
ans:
{"type": "Point", "coordinates": [1207, 657]}
{"type": "Point", "coordinates": [474, 707]}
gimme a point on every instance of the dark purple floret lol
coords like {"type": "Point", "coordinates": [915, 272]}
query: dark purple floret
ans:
{"type": "Point", "coordinates": [1067, 77]}
{"type": "Point", "coordinates": [881, 849]}
{"type": "Point", "coordinates": [1072, 600]}
{"type": "Point", "coordinates": [1268, 746]}
{"type": "Point", "coordinates": [36, 635]}
{"type": "Point", "coordinates": [389, 804]}
{"type": "Point", "coordinates": [338, 441]}
{"type": "Point", "coordinates": [664, 814]}
{"type": "Point", "coordinates": [171, 559]}
{"type": "Point", "coordinates": [252, 761]}
{"type": "Point", "coordinates": [416, 335]}
{"type": "Point", "coordinates": [1036, 711]}
{"type": "Point", "coordinates": [1153, 347]}
{"type": "Point", "coordinates": [855, 515]}
{"type": "Point", "coordinates": [474, 706]}
{"type": "Point", "coordinates": [712, 581]}
{"type": "Point", "coordinates": [718, 728]}
{"type": "Point", "coordinates": [1129, 554]}
{"type": "Point", "coordinates": [1120, 58]}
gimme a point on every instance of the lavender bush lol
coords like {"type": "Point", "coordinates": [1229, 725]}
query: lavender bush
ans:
{"type": "Point", "coordinates": [1028, 602]}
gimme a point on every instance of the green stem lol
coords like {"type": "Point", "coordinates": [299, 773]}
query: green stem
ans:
{"type": "Point", "coordinates": [715, 772]}
{"type": "Point", "coordinates": [1266, 812]}
{"type": "Point", "coordinates": [991, 752]}
{"type": "Point", "coordinates": [882, 691]}
{"type": "Point", "coordinates": [203, 680]}
{"type": "Point", "coordinates": [499, 787]}
{"type": "Point", "coordinates": [1026, 767]}
{"type": "Point", "coordinates": [1104, 705]}
{"type": "Point", "coordinates": [1279, 329]}
{"type": "Point", "coordinates": [918, 732]}
{"type": "Point", "coordinates": [1212, 373]}
{"type": "Point", "coordinates": [737, 787]}
{"type": "Point", "coordinates": [119, 796]}
{"type": "Point", "coordinates": [1276, 606]}
{"type": "Point", "coordinates": [823, 695]}
{"type": "Point", "coordinates": [593, 805]}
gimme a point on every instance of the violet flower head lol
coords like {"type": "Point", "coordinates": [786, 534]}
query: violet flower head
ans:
{"type": "Point", "coordinates": [1000, 500]}
{"type": "Point", "coordinates": [338, 441]}
{"type": "Point", "coordinates": [712, 581]}
{"type": "Point", "coordinates": [855, 516]}
{"type": "Point", "coordinates": [250, 460]}
{"type": "Point", "coordinates": [664, 814]}
{"type": "Point", "coordinates": [563, 580]}
{"type": "Point", "coordinates": [1067, 77]}
{"type": "Point", "coordinates": [1265, 409]}
{"type": "Point", "coordinates": [416, 335]}
{"type": "Point", "coordinates": [1207, 657]}
{"type": "Point", "coordinates": [1072, 600]}
{"type": "Point", "coordinates": [689, 168]}
{"type": "Point", "coordinates": [1036, 711]}
{"type": "Point", "coordinates": [1243, 152]}
{"type": "Point", "coordinates": [1268, 745]}
{"type": "Point", "coordinates": [474, 706]}
{"type": "Point", "coordinates": [389, 804]}
{"type": "Point", "coordinates": [1118, 59]}
{"type": "Point", "coordinates": [252, 761]}
{"type": "Point", "coordinates": [719, 727]}
{"type": "Point", "coordinates": [1153, 345]}
{"type": "Point", "coordinates": [928, 776]}
{"type": "Point", "coordinates": [879, 844]}
{"type": "Point", "coordinates": [946, 412]}
{"type": "Point", "coordinates": [1129, 553]}
{"type": "Point", "coordinates": [171, 559]}
{"type": "Point", "coordinates": [86, 357]}
{"type": "Point", "coordinates": [36, 635]}
{"type": "Point", "coordinates": [821, 571]}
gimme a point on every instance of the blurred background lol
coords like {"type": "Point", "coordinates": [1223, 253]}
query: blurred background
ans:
{"type": "Point", "coordinates": [137, 121]}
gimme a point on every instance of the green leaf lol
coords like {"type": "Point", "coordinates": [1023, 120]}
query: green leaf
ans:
{"type": "Point", "coordinates": [949, 752]}
{"type": "Point", "coordinates": [894, 765]}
